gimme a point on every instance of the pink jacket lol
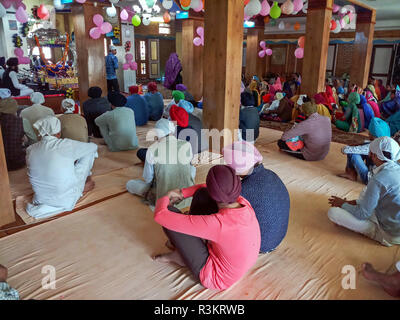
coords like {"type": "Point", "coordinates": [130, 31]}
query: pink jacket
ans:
{"type": "Point", "coordinates": [233, 234]}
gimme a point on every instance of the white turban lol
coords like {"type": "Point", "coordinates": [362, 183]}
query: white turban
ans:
{"type": "Point", "coordinates": [385, 144]}
{"type": "Point", "coordinates": [68, 105]}
{"type": "Point", "coordinates": [37, 98]}
{"type": "Point", "coordinates": [48, 126]}
{"type": "Point", "coordinates": [164, 128]}
{"type": "Point", "coordinates": [5, 93]}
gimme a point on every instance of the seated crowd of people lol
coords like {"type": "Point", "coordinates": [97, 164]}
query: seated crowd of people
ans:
{"type": "Point", "coordinates": [242, 210]}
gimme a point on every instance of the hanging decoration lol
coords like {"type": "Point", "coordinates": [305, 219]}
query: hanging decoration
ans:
{"type": "Point", "coordinates": [130, 64]}
{"type": "Point", "coordinates": [69, 93]}
{"type": "Point", "coordinates": [127, 13]}
{"type": "Point", "coordinates": [297, 6]}
{"type": "Point", "coordinates": [128, 46]}
{"type": "Point", "coordinates": [43, 13]}
{"type": "Point", "coordinates": [264, 50]}
{"type": "Point", "coordinates": [297, 26]}
{"type": "Point", "coordinates": [199, 41]}
{"type": "Point", "coordinates": [265, 8]}
{"type": "Point", "coordinates": [166, 17]}
{"type": "Point", "coordinates": [21, 15]}
{"type": "Point", "coordinates": [17, 40]}
{"type": "Point", "coordinates": [252, 8]}
{"type": "Point", "coordinates": [136, 20]}
{"type": "Point", "coordinates": [101, 27]}
{"type": "Point", "coordinates": [19, 53]}
{"type": "Point", "coordinates": [275, 11]}
{"type": "Point", "coordinates": [24, 29]}
{"type": "Point", "coordinates": [305, 7]}
{"type": "Point", "coordinates": [111, 11]}
{"type": "Point", "coordinates": [15, 3]}
{"type": "Point", "coordinates": [299, 53]}
{"type": "Point", "coordinates": [167, 4]}
{"type": "Point", "coordinates": [281, 25]}
{"type": "Point", "coordinates": [124, 15]}
{"type": "Point", "coordinates": [80, 1]}
{"type": "Point", "coordinates": [301, 41]}
{"type": "Point", "coordinates": [146, 19]}
{"type": "Point", "coordinates": [287, 7]}
{"type": "Point", "coordinates": [114, 1]}
{"type": "Point", "coordinates": [333, 25]}
{"type": "Point", "coordinates": [197, 5]}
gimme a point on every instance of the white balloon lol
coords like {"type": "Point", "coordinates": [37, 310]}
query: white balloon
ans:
{"type": "Point", "coordinates": [338, 27]}
{"type": "Point", "coordinates": [111, 11]}
{"type": "Point", "coordinates": [305, 7]}
{"type": "Point", "coordinates": [167, 4]}
{"type": "Point", "coordinates": [146, 20]}
{"type": "Point", "coordinates": [114, 1]}
{"type": "Point", "coordinates": [194, 4]}
{"type": "Point", "coordinates": [281, 25]}
{"type": "Point", "coordinates": [3, 11]}
{"type": "Point", "coordinates": [253, 8]}
{"type": "Point", "coordinates": [58, 5]}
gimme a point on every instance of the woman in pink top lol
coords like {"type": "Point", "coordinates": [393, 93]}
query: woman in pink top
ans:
{"type": "Point", "coordinates": [231, 232]}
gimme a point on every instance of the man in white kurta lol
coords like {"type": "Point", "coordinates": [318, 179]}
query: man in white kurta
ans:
{"type": "Point", "coordinates": [58, 169]}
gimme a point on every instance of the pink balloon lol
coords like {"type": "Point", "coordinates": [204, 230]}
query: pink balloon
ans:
{"type": "Point", "coordinates": [81, 1]}
{"type": "Point", "coordinates": [261, 54]}
{"type": "Point", "coordinates": [199, 8]}
{"type": "Point", "coordinates": [200, 31]}
{"type": "Point", "coordinates": [297, 5]}
{"type": "Point", "coordinates": [98, 20]}
{"type": "Point", "coordinates": [133, 65]}
{"type": "Point", "coordinates": [128, 57]}
{"type": "Point", "coordinates": [335, 8]}
{"type": "Point", "coordinates": [24, 60]}
{"type": "Point", "coordinates": [351, 16]}
{"type": "Point", "coordinates": [262, 44]}
{"type": "Point", "coordinates": [197, 41]}
{"type": "Point", "coordinates": [95, 33]}
{"type": "Point", "coordinates": [268, 52]}
{"type": "Point", "coordinates": [124, 15]}
{"type": "Point", "coordinates": [265, 8]}
{"type": "Point", "coordinates": [18, 52]}
{"type": "Point", "coordinates": [299, 53]}
{"type": "Point", "coordinates": [126, 66]}
{"type": "Point", "coordinates": [21, 15]}
{"type": "Point", "coordinates": [106, 27]}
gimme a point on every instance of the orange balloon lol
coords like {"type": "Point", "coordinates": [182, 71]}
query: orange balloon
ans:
{"type": "Point", "coordinates": [166, 17]}
{"type": "Point", "coordinates": [185, 3]}
{"type": "Point", "coordinates": [297, 26]}
{"type": "Point", "coordinates": [301, 41]}
{"type": "Point", "coordinates": [266, 19]}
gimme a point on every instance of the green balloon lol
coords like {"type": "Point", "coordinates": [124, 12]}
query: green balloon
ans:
{"type": "Point", "coordinates": [150, 3]}
{"type": "Point", "coordinates": [275, 11]}
{"type": "Point", "coordinates": [136, 20]}
{"type": "Point", "coordinates": [185, 8]}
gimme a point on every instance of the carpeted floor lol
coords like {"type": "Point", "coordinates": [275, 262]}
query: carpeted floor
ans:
{"type": "Point", "coordinates": [337, 135]}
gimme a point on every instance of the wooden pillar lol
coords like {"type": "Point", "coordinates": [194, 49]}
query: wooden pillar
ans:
{"type": "Point", "coordinates": [192, 57]}
{"type": "Point", "coordinates": [222, 71]}
{"type": "Point", "coordinates": [90, 52]}
{"type": "Point", "coordinates": [319, 16]}
{"type": "Point", "coordinates": [254, 64]}
{"type": "Point", "coordinates": [362, 49]}
{"type": "Point", "coordinates": [7, 214]}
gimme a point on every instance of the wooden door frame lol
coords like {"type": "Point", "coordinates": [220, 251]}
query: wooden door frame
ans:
{"type": "Point", "coordinates": [389, 75]}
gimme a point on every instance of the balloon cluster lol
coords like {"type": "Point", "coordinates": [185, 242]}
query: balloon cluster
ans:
{"type": "Point", "coordinates": [126, 14]}
{"type": "Point", "coordinates": [128, 46]}
{"type": "Point", "coordinates": [101, 27]}
{"type": "Point", "coordinates": [24, 29]}
{"type": "Point", "coordinates": [130, 64]}
{"type": "Point", "coordinates": [117, 32]}
{"type": "Point", "coordinates": [40, 13]}
{"type": "Point", "coordinates": [20, 55]}
{"type": "Point", "coordinates": [299, 52]}
{"type": "Point", "coordinates": [346, 16]}
{"type": "Point", "coordinates": [17, 40]}
{"type": "Point", "coordinates": [199, 41]}
{"type": "Point", "coordinates": [69, 93]}
{"type": "Point", "coordinates": [265, 50]}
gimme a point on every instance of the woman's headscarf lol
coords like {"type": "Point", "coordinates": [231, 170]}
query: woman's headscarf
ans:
{"type": "Point", "coordinates": [353, 100]}
{"type": "Point", "coordinates": [329, 94]}
{"type": "Point", "coordinates": [48, 126]}
{"type": "Point", "coordinates": [37, 98]}
{"type": "Point", "coordinates": [277, 85]}
{"type": "Point", "coordinates": [172, 69]}
{"type": "Point", "coordinates": [223, 185]}
{"type": "Point", "coordinates": [379, 128]}
{"type": "Point", "coordinates": [385, 144]}
{"type": "Point", "coordinates": [309, 108]}
{"type": "Point", "coordinates": [68, 105]}
{"type": "Point", "coordinates": [372, 102]}
{"type": "Point", "coordinates": [368, 112]}
{"type": "Point", "coordinates": [320, 98]}
{"type": "Point", "coordinates": [241, 156]}
{"type": "Point", "coordinates": [371, 88]}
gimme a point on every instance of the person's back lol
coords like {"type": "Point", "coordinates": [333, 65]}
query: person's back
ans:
{"type": "Point", "coordinates": [155, 102]}
{"type": "Point", "coordinates": [193, 134]}
{"type": "Point", "coordinates": [36, 112]}
{"type": "Point", "coordinates": [119, 129]}
{"type": "Point", "coordinates": [139, 105]}
{"type": "Point", "coordinates": [51, 170]}
{"type": "Point", "coordinates": [93, 108]}
{"type": "Point", "coordinates": [171, 166]}
{"type": "Point", "coordinates": [249, 120]}
{"type": "Point", "coordinates": [270, 200]}
{"type": "Point", "coordinates": [74, 127]}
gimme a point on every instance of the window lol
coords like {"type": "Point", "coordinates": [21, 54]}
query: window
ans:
{"type": "Point", "coordinates": [142, 50]}
{"type": "Point", "coordinates": [105, 47]}
{"type": "Point", "coordinates": [143, 68]}
{"type": "Point", "coordinates": [46, 52]}
{"type": "Point", "coordinates": [164, 28]}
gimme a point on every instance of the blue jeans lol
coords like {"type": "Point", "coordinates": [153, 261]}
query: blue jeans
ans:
{"type": "Point", "coordinates": [357, 161]}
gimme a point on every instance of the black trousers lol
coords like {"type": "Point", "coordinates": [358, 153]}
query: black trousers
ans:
{"type": "Point", "coordinates": [284, 147]}
{"type": "Point", "coordinates": [193, 250]}
{"type": "Point", "coordinates": [112, 85]}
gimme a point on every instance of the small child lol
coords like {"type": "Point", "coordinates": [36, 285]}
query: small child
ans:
{"type": "Point", "coordinates": [6, 292]}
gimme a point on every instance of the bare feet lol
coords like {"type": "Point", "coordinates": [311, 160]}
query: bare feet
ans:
{"type": "Point", "coordinates": [389, 283]}
{"type": "Point", "coordinates": [89, 185]}
{"type": "Point", "coordinates": [351, 174]}
{"type": "Point", "coordinates": [173, 257]}
{"type": "Point", "coordinates": [3, 273]}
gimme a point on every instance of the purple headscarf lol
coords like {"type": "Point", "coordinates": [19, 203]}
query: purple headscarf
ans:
{"type": "Point", "coordinates": [172, 69]}
{"type": "Point", "coordinates": [223, 185]}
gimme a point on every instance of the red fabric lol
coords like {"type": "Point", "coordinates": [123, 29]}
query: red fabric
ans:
{"type": "Point", "coordinates": [321, 98]}
{"type": "Point", "coordinates": [267, 98]}
{"type": "Point", "coordinates": [133, 89]}
{"type": "Point", "coordinates": [329, 95]}
{"type": "Point", "coordinates": [233, 238]}
{"type": "Point", "coordinates": [179, 115]}
{"type": "Point", "coordinates": [46, 96]}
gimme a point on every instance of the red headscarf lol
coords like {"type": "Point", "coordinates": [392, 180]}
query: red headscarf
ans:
{"type": "Point", "coordinates": [320, 98]}
{"type": "Point", "coordinates": [133, 89]}
{"type": "Point", "coordinates": [329, 95]}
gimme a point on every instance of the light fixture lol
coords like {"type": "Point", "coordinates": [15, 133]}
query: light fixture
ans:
{"type": "Point", "coordinates": [249, 24]}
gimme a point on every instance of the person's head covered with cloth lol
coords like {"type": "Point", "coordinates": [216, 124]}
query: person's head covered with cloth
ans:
{"type": "Point", "coordinates": [242, 157]}
{"type": "Point", "coordinates": [378, 128]}
{"type": "Point", "coordinates": [223, 185]}
{"type": "Point", "coordinates": [37, 98]}
{"type": "Point", "coordinates": [163, 128]}
{"type": "Point", "coordinates": [178, 96]}
{"type": "Point", "coordinates": [116, 99]}
{"type": "Point", "coordinates": [384, 150]}
{"type": "Point", "coordinates": [68, 105]}
{"type": "Point", "coordinates": [48, 126]}
{"type": "Point", "coordinates": [95, 92]}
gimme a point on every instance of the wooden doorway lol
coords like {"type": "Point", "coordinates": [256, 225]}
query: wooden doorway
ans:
{"type": "Point", "coordinates": [382, 63]}
{"type": "Point", "coordinates": [142, 58]}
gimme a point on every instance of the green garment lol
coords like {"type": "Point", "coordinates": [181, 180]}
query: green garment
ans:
{"type": "Point", "coordinates": [170, 174]}
{"type": "Point", "coordinates": [118, 129]}
{"type": "Point", "coordinates": [352, 122]}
